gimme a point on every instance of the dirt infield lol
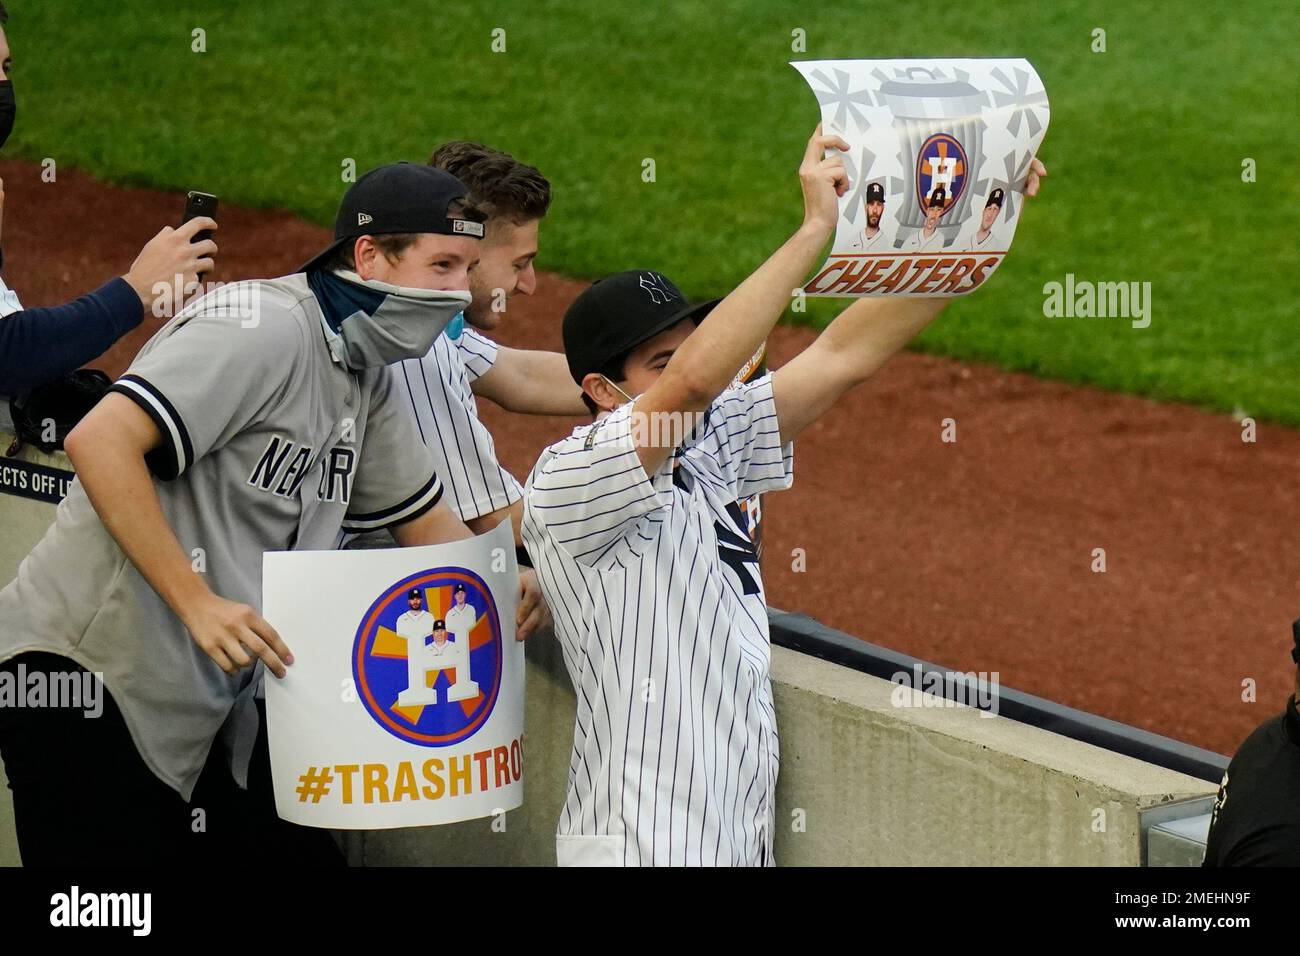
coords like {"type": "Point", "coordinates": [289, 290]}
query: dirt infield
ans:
{"type": "Point", "coordinates": [975, 554]}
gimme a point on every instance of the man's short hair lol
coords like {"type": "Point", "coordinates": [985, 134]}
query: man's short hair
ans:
{"type": "Point", "coordinates": [499, 183]}
{"type": "Point", "coordinates": [4, 14]}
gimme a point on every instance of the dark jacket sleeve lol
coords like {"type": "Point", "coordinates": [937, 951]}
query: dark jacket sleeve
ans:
{"type": "Point", "coordinates": [37, 345]}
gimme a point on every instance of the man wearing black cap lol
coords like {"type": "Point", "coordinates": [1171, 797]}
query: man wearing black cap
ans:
{"type": "Point", "coordinates": [1256, 819]}
{"type": "Point", "coordinates": [928, 238]}
{"type": "Point", "coordinates": [634, 530]}
{"type": "Point", "coordinates": [230, 435]}
{"type": "Point", "coordinates": [869, 239]}
{"type": "Point", "coordinates": [982, 239]}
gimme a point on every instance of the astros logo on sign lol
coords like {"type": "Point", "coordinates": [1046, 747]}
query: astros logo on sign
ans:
{"type": "Point", "coordinates": [941, 162]}
{"type": "Point", "coordinates": [427, 657]}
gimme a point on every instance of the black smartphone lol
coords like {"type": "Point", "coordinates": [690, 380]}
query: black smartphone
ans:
{"type": "Point", "coordinates": [200, 204]}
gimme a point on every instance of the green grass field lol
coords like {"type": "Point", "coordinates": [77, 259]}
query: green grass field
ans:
{"type": "Point", "coordinates": [1145, 145]}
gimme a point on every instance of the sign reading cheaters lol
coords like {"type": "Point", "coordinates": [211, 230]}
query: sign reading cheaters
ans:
{"type": "Point", "coordinates": [939, 151]}
{"type": "Point", "coordinates": [405, 702]}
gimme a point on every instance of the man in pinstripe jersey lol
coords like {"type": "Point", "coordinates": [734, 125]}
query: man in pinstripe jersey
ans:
{"type": "Point", "coordinates": [633, 527]}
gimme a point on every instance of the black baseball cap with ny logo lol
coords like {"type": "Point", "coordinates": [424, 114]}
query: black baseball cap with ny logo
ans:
{"type": "Point", "coordinates": [397, 198]}
{"type": "Point", "coordinates": [617, 313]}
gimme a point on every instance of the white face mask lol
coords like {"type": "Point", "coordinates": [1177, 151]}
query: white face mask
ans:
{"type": "Point", "coordinates": [401, 323]}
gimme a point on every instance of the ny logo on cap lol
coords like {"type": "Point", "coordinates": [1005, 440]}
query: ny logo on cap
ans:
{"type": "Point", "coordinates": [657, 287]}
{"type": "Point", "coordinates": [363, 219]}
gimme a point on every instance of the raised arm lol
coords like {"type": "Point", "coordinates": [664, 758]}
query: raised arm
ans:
{"type": "Point", "coordinates": [707, 361]}
{"type": "Point", "coordinates": [531, 383]}
{"type": "Point", "coordinates": [859, 341]}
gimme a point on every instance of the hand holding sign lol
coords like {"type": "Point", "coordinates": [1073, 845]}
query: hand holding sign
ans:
{"type": "Point", "coordinates": [405, 704]}
{"type": "Point", "coordinates": [939, 152]}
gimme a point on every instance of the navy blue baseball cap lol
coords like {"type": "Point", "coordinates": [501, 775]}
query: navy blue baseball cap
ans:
{"type": "Point", "coordinates": [397, 198]}
{"type": "Point", "coordinates": [617, 313]}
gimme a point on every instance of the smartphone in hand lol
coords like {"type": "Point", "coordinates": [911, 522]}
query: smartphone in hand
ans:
{"type": "Point", "coordinates": [200, 204]}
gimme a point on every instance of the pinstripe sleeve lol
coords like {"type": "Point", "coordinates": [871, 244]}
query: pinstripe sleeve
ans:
{"type": "Point", "coordinates": [741, 441]}
{"type": "Point", "coordinates": [477, 351]}
{"type": "Point", "coordinates": [436, 390]}
{"type": "Point", "coordinates": [590, 492]}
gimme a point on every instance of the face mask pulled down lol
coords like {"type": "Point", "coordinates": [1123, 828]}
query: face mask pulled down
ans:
{"type": "Point", "coordinates": [369, 323]}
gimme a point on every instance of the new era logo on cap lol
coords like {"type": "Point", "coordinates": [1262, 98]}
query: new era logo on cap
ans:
{"type": "Point", "coordinates": [467, 227]}
{"type": "Point", "coordinates": [400, 198]}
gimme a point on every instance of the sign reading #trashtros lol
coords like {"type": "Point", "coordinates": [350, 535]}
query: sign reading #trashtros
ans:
{"type": "Point", "coordinates": [405, 702]}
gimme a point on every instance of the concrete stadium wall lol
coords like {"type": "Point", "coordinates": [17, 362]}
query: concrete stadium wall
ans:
{"type": "Point", "coordinates": [863, 783]}
{"type": "Point", "coordinates": [876, 784]}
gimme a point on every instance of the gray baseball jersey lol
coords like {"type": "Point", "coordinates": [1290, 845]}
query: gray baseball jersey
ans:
{"type": "Point", "coordinates": [268, 444]}
{"type": "Point", "coordinates": [659, 608]}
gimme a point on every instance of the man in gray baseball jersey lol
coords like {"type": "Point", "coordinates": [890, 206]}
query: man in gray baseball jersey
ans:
{"type": "Point", "coordinates": [261, 418]}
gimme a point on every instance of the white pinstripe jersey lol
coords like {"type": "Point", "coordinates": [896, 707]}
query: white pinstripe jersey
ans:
{"type": "Point", "coordinates": [438, 390]}
{"type": "Point", "coordinates": [660, 611]}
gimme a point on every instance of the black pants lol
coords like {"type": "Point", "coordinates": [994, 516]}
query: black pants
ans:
{"type": "Point", "coordinates": [83, 796]}
{"type": "Point", "coordinates": [242, 825]}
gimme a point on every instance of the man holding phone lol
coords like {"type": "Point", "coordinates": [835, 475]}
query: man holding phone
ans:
{"type": "Point", "coordinates": [38, 345]}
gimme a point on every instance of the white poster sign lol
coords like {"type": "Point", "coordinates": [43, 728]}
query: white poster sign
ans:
{"type": "Point", "coordinates": [940, 150]}
{"type": "Point", "coordinates": [405, 702]}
